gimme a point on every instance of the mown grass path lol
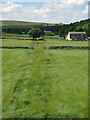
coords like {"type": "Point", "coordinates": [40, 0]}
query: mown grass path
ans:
{"type": "Point", "coordinates": [30, 93]}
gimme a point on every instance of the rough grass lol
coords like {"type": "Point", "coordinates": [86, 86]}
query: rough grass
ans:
{"type": "Point", "coordinates": [45, 83]}
{"type": "Point", "coordinates": [42, 83]}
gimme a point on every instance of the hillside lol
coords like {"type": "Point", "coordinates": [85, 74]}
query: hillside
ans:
{"type": "Point", "coordinates": [58, 29]}
{"type": "Point", "coordinates": [20, 26]}
{"type": "Point", "coordinates": [22, 23]}
{"type": "Point", "coordinates": [81, 26]}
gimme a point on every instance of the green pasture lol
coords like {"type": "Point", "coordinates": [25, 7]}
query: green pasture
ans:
{"type": "Point", "coordinates": [48, 42]}
{"type": "Point", "coordinates": [42, 83]}
{"type": "Point", "coordinates": [26, 41]}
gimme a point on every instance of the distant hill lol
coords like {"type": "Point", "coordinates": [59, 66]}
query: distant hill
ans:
{"type": "Point", "coordinates": [22, 23]}
{"type": "Point", "coordinates": [60, 29]}
{"type": "Point", "coordinates": [22, 26]}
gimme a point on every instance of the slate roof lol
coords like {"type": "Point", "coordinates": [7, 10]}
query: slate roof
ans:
{"type": "Point", "coordinates": [77, 32]}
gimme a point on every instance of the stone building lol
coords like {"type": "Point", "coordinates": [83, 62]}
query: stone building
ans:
{"type": "Point", "coordinates": [76, 36]}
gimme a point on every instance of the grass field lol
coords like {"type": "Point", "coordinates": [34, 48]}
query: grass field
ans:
{"type": "Point", "coordinates": [42, 83]}
{"type": "Point", "coordinates": [49, 42]}
{"type": "Point", "coordinates": [24, 40]}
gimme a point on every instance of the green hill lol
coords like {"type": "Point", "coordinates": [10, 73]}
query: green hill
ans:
{"type": "Point", "coordinates": [80, 26]}
{"type": "Point", "coordinates": [22, 23]}
{"type": "Point", "coordinates": [22, 26]}
{"type": "Point", "coordinates": [58, 29]}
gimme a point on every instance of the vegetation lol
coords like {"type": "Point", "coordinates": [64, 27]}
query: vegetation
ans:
{"type": "Point", "coordinates": [25, 40]}
{"type": "Point", "coordinates": [43, 83]}
{"type": "Point", "coordinates": [23, 23]}
{"type": "Point", "coordinates": [35, 33]}
{"type": "Point", "coordinates": [58, 29]}
{"type": "Point", "coordinates": [41, 27]}
{"type": "Point", "coordinates": [83, 25]}
{"type": "Point", "coordinates": [49, 33]}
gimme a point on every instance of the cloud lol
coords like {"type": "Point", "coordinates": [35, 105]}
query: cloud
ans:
{"type": "Point", "coordinates": [73, 3]}
{"type": "Point", "coordinates": [9, 6]}
{"type": "Point", "coordinates": [57, 12]}
{"type": "Point", "coordinates": [86, 9]}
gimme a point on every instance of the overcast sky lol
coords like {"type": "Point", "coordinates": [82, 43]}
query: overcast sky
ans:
{"type": "Point", "coordinates": [54, 11]}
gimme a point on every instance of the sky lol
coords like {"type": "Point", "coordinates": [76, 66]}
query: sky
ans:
{"type": "Point", "coordinates": [49, 11]}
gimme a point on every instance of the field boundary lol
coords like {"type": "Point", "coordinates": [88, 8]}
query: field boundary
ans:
{"type": "Point", "coordinates": [47, 47]}
{"type": "Point", "coordinates": [66, 47]}
{"type": "Point", "coordinates": [15, 47]}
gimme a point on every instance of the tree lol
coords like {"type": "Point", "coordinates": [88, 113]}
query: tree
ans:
{"type": "Point", "coordinates": [79, 28]}
{"type": "Point", "coordinates": [41, 27]}
{"type": "Point", "coordinates": [35, 33]}
{"type": "Point", "coordinates": [62, 31]}
{"type": "Point", "coordinates": [86, 26]}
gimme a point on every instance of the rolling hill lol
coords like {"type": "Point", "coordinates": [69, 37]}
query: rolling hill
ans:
{"type": "Point", "coordinates": [60, 29]}
{"type": "Point", "coordinates": [22, 23]}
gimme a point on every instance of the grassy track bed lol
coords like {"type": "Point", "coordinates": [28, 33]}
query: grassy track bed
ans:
{"type": "Point", "coordinates": [45, 83]}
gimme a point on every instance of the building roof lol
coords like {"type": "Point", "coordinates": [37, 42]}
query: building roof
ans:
{"type": "Point", "coordinates": [77, 32]}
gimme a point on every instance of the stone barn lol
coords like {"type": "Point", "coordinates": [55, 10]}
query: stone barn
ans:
{"type": "Point", "coordinates": [76, 36]}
